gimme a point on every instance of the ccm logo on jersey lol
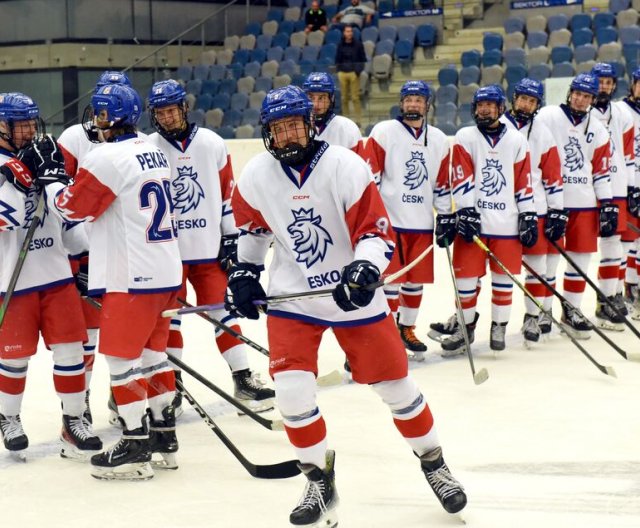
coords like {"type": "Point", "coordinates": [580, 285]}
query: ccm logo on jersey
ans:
{"type": "Point", "coordinates": [152, 160]}
{"type": "Point", "coordinates": [301, 196]}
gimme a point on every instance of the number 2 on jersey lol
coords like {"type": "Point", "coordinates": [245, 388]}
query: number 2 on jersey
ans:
{"type": "Point", "coordinates": [162, 194]}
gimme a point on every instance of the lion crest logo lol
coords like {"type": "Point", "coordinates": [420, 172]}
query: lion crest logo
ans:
{"type": "Point", "coordinates": [187, 192]}
{"type": "Point", "coordinates": [30, 205]}
{"type": "Point", "coordinates": [417, 172]}
{"type": "Point", "coordinates": [493, 181]}
{"type": "Point", "coordinates": [310, 239]}
{"type": "Point", "coordinates": [573, 157]}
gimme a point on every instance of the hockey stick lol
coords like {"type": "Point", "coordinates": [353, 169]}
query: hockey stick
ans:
{"type": "Point", "coordinates": [22, 255]}
{"type": "Point", "coordinates": [601, 296]}
{"type": "Point", "coordinates": [602, 368]}
{"type": "Point", "coordinates": [304, 295]}
{"type": "Point", "coordinates": [634, 356]}
{"type": "Point", "coordinates": [482, 375]}
{"type": "Point", "coordinates": [274, 425]}
{"type": "Point", "coordinates": [633, 228]}
{"type": "Point", "coordinates": [272, 471]}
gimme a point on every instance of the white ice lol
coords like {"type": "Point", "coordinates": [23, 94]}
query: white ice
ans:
{"type": "Point", "coordinates": [548, 441]}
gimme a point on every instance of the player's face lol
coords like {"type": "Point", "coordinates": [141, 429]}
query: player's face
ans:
{"type": "Point", "coordinates": [606, 85]}
{"type": "Point", "coordinates": [580, 101]}
{"type": "Point", "coordinates": [289, 130]}
{"type": "Point", "coordinates": [24, 132]}
{"type": "Point", "coordinates": [525, 103]}
{"type": "Point", "coordinates": [635, 90]}
{"type": "Point", "coordinates": [321, 102]}
{"type": "Point", "coordinates": [487, 109]}
{"type": "Point", "coordinates": [170, 117]}
{"type": "Point", "coordinates": [414, 104]}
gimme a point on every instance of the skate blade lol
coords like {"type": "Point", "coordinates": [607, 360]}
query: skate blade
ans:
{"type": "Point", "coordinates": [165, 461]}
{"type": "Point", "coordinates": [530, 345]}
{"type": "Point", "coordinates": [608, 325]}
{"type": "Point", "coordinates": [453, 353]}
{"type": "Point", "coordinates": [136, 471]}
{"type": "Point", "coordinates": [576, 334]}
{"type": "Point", "coordinates": [329, 519]}
{"type": "Point", "coordinates": [71, 452]}
{"type": "Point", "coordinates": [18, 456]}
{"type": "Point", "coordinates": [418, 357]}
{"type": "Point", "coordinates": [437, 336]}
{"type": "Point", "coordinates": [179, 411]}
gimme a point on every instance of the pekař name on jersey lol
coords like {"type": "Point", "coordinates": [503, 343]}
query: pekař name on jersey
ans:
{"type": "Point", "coordinates": [191, 223]}
{"type": "Point", "coordinates": [324, 279]}
{"type": "Point", "coordinates": [152, 160]}
{"type": "Point", "coordinates": [40, 243]}
{"type": "Point", "coordinates": [412, 198]}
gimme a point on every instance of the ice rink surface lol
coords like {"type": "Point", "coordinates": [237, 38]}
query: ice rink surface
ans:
{"type": "Point", "coordinates": [548, 441]}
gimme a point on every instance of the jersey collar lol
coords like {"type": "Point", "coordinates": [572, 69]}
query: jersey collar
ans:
{"type": "Point", "coordinates": [300, 177]}
{"type": "Point", "coordinates": [183, 145]}
{"type": "Point", "coordinates": [415, 132]}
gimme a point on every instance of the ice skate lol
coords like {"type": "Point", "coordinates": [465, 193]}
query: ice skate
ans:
{"type": "Point", "coordinates": [440, 331]}
{"type": "Point", "coordinates": [163, 440]}
{"type": "Point", "coordinates": [250, 390]}
{"type": "Point", "coordinates": [78, 440]}
{"type": "Point", "coordinates": [317, 506]}
{"type": "Point", "coordinates": [530, 329]}
{"type": "Point", "coordinates": [606, 316]}
{"type": "Point", "coordinates": [454, 345]}
{"type": "Point", "coordinates": [88, 417]}
{"type": "Point", "coordinates": [114, 417]}
{"type": "Point", "coordinates": [620, 304]}
{"type": "Point", "coordinates": [575, 323]}
{"type": "Point", "coordinates": [14, 438]}
{"type": "Point", "coordinates": [129, 459]}
{"type": "Point", "coordinates": [545, 322]}
{"type": "Point", "coordinates": [177, 399]}
{"type": "Point", "coordinates": [632, 299]}
{"type": "Point", "coordinates": [496, 338]}
{"type": "Point", "coordinates": [411, 342]}
{"type": "Point", "coordinates": [449, 491]}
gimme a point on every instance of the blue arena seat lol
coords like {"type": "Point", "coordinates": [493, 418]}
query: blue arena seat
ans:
{"type": "Point", "coordinates": [492, 41]}
{"type": "Point", "coordinates": [561, 54]}
{"type": "Point", "coordinates": [471, 57]}
{"type": "Point", "coordinates": [448, 75]}
{"type": "Point", "coordinates": [426, 35]}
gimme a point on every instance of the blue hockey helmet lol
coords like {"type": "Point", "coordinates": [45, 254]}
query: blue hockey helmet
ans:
{"type": "Point", "coordinates": [635, 75]}
{"type": "Point", "coordinates": [288, 101]}
{"type": "Point", "coordinates": [531, 88]}
{"type": "Point", "coordinates": [494, 94]}
{"type": "Point", "coordinates": [321, 82]}
{"type": "Point", "coordinates": [585, 82]}
{"type": "Point", "coordinates": [603, 69]}
{"type": "Point", "coordinates": [112, 77]}
{"type": "Point", "coordinates": [112, 106]}
{"type": "Point", "coordinates": [16, 107]}
{"type": "Point", "coordinates": [167, 93]}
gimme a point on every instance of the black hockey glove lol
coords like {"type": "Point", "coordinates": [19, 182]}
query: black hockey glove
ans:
{"type": "Point", "coordinates": [45, 161]}
{"type": "Point", "coordinates": [228, 254]}
{"type": "Point", "coordinates": [555, 224]}
{"type": "Point", "coordinates": [468, 224]}
{"type": "Point", "coordinates": [243, 288]}
{"type": "Point", "coordinates": [350, 293]}
{"type": "Point", "coordinates": [528, 229]}
{"type": "Point", "coordinates": [608, 219]}
{"type": "Point", "coordinates": [445, 229]}
{"type": "Point", "coordinates": [633, 201]}
{"type": "Point", "coordinates": [82, 277]}
{"type": "Point", "coordinates": [18, 174]}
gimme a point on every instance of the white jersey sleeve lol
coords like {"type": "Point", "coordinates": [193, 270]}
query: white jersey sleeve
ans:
{"type": "Point", "coordinates": [340, 130]}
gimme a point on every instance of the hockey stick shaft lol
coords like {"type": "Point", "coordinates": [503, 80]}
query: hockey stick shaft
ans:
{"type": "Point", "coordinates": [604, 369]}
{"type": "Point", "coordinates": [633, 228]}
{"type": "Point", "coordinates": [304, 295]}
{"type": "Point", "coordinates": [273, 471]}
{"type": "Point", "coordinates": [482, 375]}
{"type": "Point", "coordinates": [565, 303]}
{"type": "Point", "coordinates": [274, 425]}
{"type": "Point", "coordinates": [22, 255]}
{"type": "Point", "coordinates": [601, 296]}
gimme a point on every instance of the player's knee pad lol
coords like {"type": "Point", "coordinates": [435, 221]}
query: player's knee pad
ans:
{"type": "Point", "coordinates": [537, 262]}
{"type": "Point", "coordinates": [67, 353]}
{"type": "Point", "coordinates": [295, 392]}
{"type": "Point", "coordinates": [398, 394]}
{"type": "Point", "coordinates": [611, 247]}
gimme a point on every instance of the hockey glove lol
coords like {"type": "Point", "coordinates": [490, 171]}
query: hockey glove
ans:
{"type": "Point", "coordinates": [528, 229]}
{"type": "Point", "coordinates": [350, 293]}
{"type": "Point", "coordinates": [555, 224]}
{"type": "Point", "coordinates": [445, 229]}
{"type": "Point", "coordinates": [18, 174]}
{"type": "Point", "coordinates": [82, 277]}
{"type": "Point", "coordinates": [45, 161]}
{"type": "Point", "coordinates": [228, 254]}
{"type": "Point", "coordinates": [608, 219]}
{"type": "Point", "coordinates": [633, 201]}
{"type": "Point", "coordinates": [243, 288]}
{"type": "Point", "coordinates": [468, 224]}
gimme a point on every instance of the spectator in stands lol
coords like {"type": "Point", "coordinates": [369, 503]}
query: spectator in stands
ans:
{"type": "Point", "coordinates": [350, 61]}
{"type": "Point", "coordinates": [355, 15]}
{"type": "Point", "coordinates": [315, 18]}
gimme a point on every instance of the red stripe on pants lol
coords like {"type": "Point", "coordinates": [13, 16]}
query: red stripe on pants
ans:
{"type": "Point", "coordinates": [133, 391]}
{"type": "Point", "coordinates": [417, 426]}
{"type": "Point", "coordinates": [226, 341]}
{"type": "Point", "coordinates": [69, 384]}
{"type": "Point", "coordinates": [309, 435]}
{"type": "Point", "coordinates": [160, 383]}
{"type": "Point", "coordinates": [12, 385]}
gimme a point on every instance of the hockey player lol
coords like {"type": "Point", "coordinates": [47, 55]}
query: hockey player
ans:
{"type": "Point", "coordinates": [122, 188]}
{"type": "Point", "coordinates": [320, 207]}
{"type": "Point", "coordinates": [75, 145]}
{"type": "Point", "coordinates": [45, 300]}
{"type": "Point", "coordinates": [491, 184]}
{"type": "Point", "coordinates": [631, 104]}
{"type": "Point", "coordinates": [330, 127]}
{"type": "Point", "coordinates": [546, 180]}
{"type": "Point", "coordinates": [583, 144]}
{"type": "Point", "coordinates": [201, 184]}
{"type": "Point", "coordinates": [410, 161]}
{"type": "Point", "coordinates": [619, 123]}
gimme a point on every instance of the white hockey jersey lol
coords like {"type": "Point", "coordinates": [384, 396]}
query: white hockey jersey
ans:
{"type": "Point", "coordinates": [492, 174]}
{"type": "Point", "coordinates": [12, 202]}
{"type": "Point", "coordinates": [584, 154]}
{"type": "Point", "coordinates": [46, 264]}
{"type": "Point", "coordinates": [124, 189]}
{"type": "Point", "coordinates": [412, 171]}
{"type": "Point", "coordinates": [634, 112]}
{"type": "Point", "coordinates": [340, 130]}
{"type": "Point", "coordinates": [546, 175]}
{"type": "Point", "coordinates": [201, 185]}
{"type": "Point", "coordinates": [619, 124]}
{"type": "Point", "coordinates": [320, 219]}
